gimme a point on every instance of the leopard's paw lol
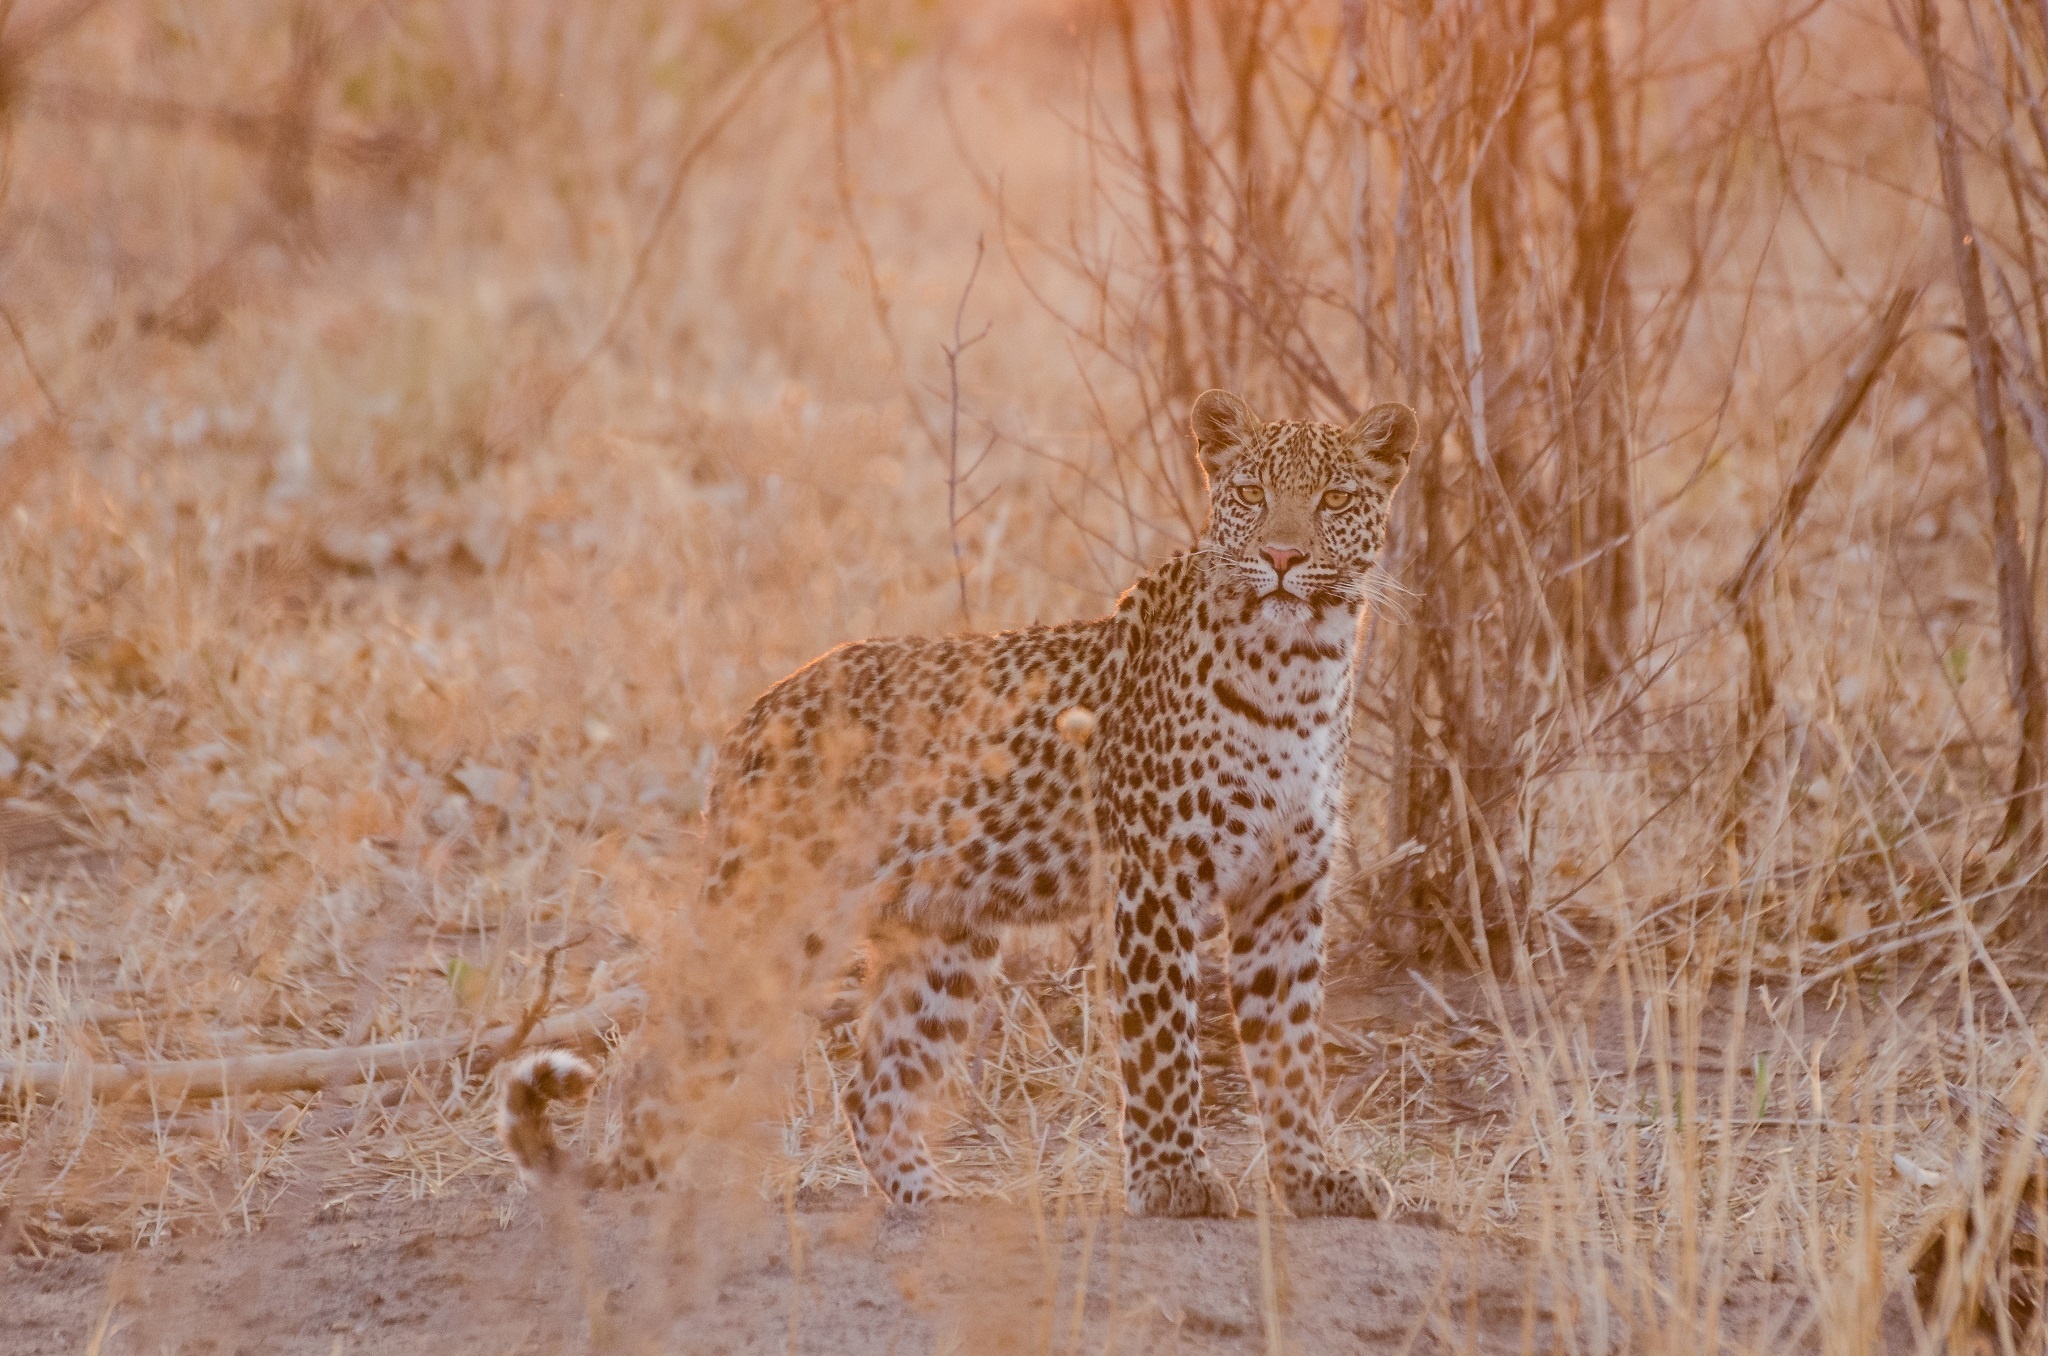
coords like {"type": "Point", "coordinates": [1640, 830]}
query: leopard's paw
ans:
{"type": "Point", "coordinates": [1181, 1192]}
{"type": "Point", "coordinates": [1348, 1194]}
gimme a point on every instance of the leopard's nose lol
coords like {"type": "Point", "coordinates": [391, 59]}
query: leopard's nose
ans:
{"type": "Point", "coordinates": [1282, 557]}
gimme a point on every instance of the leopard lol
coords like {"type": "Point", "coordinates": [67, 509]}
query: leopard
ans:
{"type": "Point", "coordinates": [914, 802]}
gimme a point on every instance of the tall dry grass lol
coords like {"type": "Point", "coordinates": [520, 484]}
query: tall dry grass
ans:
{"type": "Point", "coordinates": [423, 427]}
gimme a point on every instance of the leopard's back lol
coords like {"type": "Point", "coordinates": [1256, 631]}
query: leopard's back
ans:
{"type": "Point", "coordinates": [926, 775]}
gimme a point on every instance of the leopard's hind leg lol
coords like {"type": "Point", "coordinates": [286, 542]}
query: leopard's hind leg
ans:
{"type": "Point", "coordinates": [924, 990]}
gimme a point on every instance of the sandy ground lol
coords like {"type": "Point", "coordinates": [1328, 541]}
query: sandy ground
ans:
{"type": "Point", "coordinates": [485, 1274]}
{"type": "Point", "coordinates": [490, 1268]}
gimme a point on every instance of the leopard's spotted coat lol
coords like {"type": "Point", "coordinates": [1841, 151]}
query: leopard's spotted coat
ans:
{"type": "Point", "coordinates": [925, 780]}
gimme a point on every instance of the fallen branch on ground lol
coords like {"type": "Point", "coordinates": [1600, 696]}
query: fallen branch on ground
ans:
{"type": "Point", "coordinates": [304, 1070]}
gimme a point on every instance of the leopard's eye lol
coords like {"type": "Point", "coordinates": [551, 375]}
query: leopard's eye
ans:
{"type": "Point", "coordinates": [1336, 499]}
{"type": "Point", "coordinates": [1251, 494]}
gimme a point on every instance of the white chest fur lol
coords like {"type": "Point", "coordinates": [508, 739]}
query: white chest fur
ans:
{"type": "Point", "coordinates": [1280, 696]}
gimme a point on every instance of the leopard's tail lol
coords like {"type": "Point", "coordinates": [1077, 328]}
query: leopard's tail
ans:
{"type": "Point", "coordinates": [528, 1086]}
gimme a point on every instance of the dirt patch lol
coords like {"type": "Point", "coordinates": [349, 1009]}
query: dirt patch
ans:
{"type": "Point", "coordinates": [484, 1273]}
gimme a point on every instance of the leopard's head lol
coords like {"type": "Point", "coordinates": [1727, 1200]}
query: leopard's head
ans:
{"type": "Point", "coordinates": [1298, 510]}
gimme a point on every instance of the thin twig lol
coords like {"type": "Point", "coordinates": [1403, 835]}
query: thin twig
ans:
{"type": "Point", "coordinates": [954, 476]}
{"type": "Point", "coordinates": [531, 1017]}
{"type": "Point", "coordinates": [28, 360]}
{"type": "Point", "coordinates": [1820, 444]}
{"type": "Point", "coordinates": [1760, 694]}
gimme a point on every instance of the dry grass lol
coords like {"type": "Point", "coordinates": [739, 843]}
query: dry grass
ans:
{"type": "Point", "coordinates": [397, 501]}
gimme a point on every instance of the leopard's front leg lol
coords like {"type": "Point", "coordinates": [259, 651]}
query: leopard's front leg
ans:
{"type": "Point", "coordinates": [1166, 1171]}
{"type": "Point", "coordinates": [1276, 986]}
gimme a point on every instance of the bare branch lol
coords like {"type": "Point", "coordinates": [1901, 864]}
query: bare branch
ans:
{"type": "Point", "coordinates": [167, 1081]}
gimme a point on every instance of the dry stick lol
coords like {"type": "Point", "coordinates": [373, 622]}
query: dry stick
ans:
{"type": "Point", "coordinates": [1468, 320]}
{"type": "Point", "coordinates": [1194, 154]}
{"type": "Point", "coordinates": [1741, 590]}
{"type": "Point", "coordinates": [1856, 383]}
{"type": "Point", "coordinates": [1296, 165]}
{"type": "Point", "coordinates": [1177, 385]}
{"type": "Point", "coordinates": [1601, 361]}
{"type": "Point", "coordinates": [1240, 27]}
{"type": "Point", "coordinates": [301, 1070]}
{"type": "Point", "coordinates": [953, 473]}
{"type": "Point", "coordinates": [2015, 161]}
{"type": "Point", "coordinates": [294, 130]}
{"type": "Point", "coordinates": [1357, 222]}
{"type": "Point", "coordinates": [28, 360]}
{"type": "Point", "coordinates": [389, 150]}
{"type": "Point", "coordinates": [2025, 684]}
{"type": "Point", "coordinates": [498, 1054]}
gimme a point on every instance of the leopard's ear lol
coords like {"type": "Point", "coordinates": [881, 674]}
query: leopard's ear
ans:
{"type": "Point", "coordinates": [1382, 439]}
{"type": "Point", "coordinates": [1224, 426]}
